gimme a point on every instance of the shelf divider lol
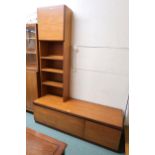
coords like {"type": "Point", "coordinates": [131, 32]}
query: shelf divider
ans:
{"type": "Point", "coordinates": [52, 57]}
{"type": "Point", "coordinates": [53, 84]}
{"type": "Point", "coordinates": [52, 70]}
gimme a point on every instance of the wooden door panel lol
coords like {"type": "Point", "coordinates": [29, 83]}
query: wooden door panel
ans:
{"type": "Point", "coordinates": [102, 135]}
{"type": "Point", "coordinates": [59, 120]}
{"type": "Point", "coordinates": [51, 23]}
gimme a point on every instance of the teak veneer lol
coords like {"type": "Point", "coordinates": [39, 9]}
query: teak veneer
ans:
{"type": "Point", "coordinates": [52, 83]}
{"type": "Point", "coordinates": [98, 113]}
{"type": "Point", "coordinates": [93, 122]}
{"type": "Point", "coordinates": [54, 27]}
{"type": "Point", "coordinates": [40, 144]}
{"type": "Point", "coordinates": [52, 57]}
{"type": "Point", "coordinates": [52, 70]}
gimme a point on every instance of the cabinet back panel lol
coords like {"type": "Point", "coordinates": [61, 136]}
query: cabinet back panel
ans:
{"type": "Point", "coordinates": [52, 64]}
{"type": "Point", "coordinates": [52, 77]}
{"type": "Point", "coordinates": [52, 90]}
{"type": "Point", "coordinates": [51, 48]}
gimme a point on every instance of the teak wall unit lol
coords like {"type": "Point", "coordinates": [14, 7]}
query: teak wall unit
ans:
{"type": "Point", "coordinates": [54, 27]}
{"type": "Point", "coordinates": [95, 123]}
{"type": "Point", "coordinates": [32, 66]}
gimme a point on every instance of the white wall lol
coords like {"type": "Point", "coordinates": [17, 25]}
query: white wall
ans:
{"type": "Point", "coordinates": [100, 49]}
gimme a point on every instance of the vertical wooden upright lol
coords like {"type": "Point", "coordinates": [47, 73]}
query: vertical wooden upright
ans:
{"type": "Point", "coordinates": [54, 27]}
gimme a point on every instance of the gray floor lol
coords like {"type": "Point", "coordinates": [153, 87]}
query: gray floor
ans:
{"type": "Point", "coordinates": [75, 146]}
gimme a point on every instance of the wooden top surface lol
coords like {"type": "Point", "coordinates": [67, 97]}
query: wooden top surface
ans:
{"type": "Point", "coordinates": [95, 112]}
{"type": "Point", "coordinates": [40, 144]}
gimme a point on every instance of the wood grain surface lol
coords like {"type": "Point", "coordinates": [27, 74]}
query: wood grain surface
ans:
{"type": "Point", "coordinates": [40, 144]}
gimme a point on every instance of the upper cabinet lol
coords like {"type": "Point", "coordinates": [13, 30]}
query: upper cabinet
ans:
{"type": "Point", "coordinates": [51, 23]}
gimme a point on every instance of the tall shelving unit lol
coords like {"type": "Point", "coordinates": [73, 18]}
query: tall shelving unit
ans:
{"type": "Point", "coordinates": [54, 27]}
{"type": "Point", "coordinates": [86, 120]}
{"type": "Point", "coordinates": [32, 66]}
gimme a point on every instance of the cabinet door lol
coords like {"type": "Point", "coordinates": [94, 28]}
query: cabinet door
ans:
{"type": "Point", "coordinates": [31, 89]}
{"type": "Point", "coordinates": [51, 23]}
{"type": "Point", "coordinates": [67, 123]}
{"type": "Point", "coordinates": [102, 135]}
{"type": "Point", "coordinates": [31, 38]}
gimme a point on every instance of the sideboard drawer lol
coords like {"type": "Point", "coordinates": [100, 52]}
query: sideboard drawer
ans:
{"type": "Point", "coordinates": [103, 135]}
{"type": "Point", "coordinates": [59, 120]}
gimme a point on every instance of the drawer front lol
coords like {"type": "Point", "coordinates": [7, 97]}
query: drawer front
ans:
{"type": "Point", "coordinates": [59, 120]}
{"type": "Point", "coordinates": [51, 23]}
{"type": "Point", "coordinates": [102, 135]}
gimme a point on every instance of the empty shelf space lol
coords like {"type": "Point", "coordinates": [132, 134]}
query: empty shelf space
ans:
{"type": "Point", "coordinates": [53, 57]}
{"type": "Point", "coordinates": [53, 84]}
{"type": "Point", "coordinates": [52, 70]}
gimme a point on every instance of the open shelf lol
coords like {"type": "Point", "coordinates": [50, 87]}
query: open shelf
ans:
{"type": "Point", "coordinates": [55, 64]}
{"type": "Point", "coordinates": [53, 84]}
{"type": "Point", "coordinates": [52, 57]}
{"type": "Point", "coordinates": [31, 67]}
{"type": "Point", "coordinates": [48, 76]}
{"type": "Point", "coordinates": [31, 38]}
{"type": "Point", "coordinates": [48, 48]}
{"type": "Point", "coordinates": [30, 52]}
{"type": "Point", "coordinates": [54, 52]}
{"type": "Point", "coordinates": [52, 70]}
{"type": "Point", "coordinates": [48, 89]}
{"type": "Point", "coordinates": [51, 66]}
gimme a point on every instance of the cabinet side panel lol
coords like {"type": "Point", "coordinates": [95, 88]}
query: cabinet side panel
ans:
{"type": "Point", "coordinates": [67, 53]}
